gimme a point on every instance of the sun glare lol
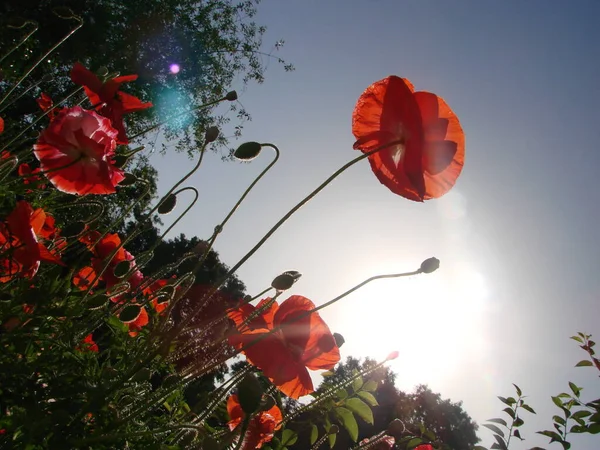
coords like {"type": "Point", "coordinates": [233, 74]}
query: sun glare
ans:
{"type": "Point", "coordinates": [434, 321]}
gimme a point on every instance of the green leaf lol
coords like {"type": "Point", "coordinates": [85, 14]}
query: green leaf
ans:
{"type": "Point", "coordinates": [368, 397]}
{"type": "Point", "coordinates": [581, 414]}
{"type": "Point", "coordinates": [327, 373]}
{"type": "Point", "coordinates": [518, 389]}
{"type": "Point", "coordinates": [557, 401]}
{"type": "Point", "coordinates": [348, 421]}
{"type": "Point", "coordinates": [479, 447]}
{"type": "Point", "coordinates": [494, 428]}
{"type": "Point", "coordinates": [501, 443]}
{"type": "Point", "coordinates": [553, 435]}
{"type": "Point", "coordinates": [341, 394]}
{"type": "Point", "coordinates": [518, 422]}
{"type": "Point", "coordinates": [500, 421]}
{"type": "Point", "coordinates": [584, 363]}
{"type": "Point", "coordinates": [559, 420]}
{"type": "Point", "coordinates": [576, 390]}
{"type": "Point", "coordinates": [517, 434]}
{"type": "Point", "coordinates": [414, 442]}
{"type": "Point", "coordinates": [528, 408]}
{"type": "Point", "coordinates": [361, 409]}
{"type": "Point", "coordinates": [314, 434]}
{"type": "Point", "coordinates": [357, 384]}
{"type": "Point", "coordinates": [370, 386]}
{"type": "Point", "coordinates": [577, 338]}
{"type": "Point", "coordinates": [289, 437]}
{"type": "Point", "coordinates": [510, 412]}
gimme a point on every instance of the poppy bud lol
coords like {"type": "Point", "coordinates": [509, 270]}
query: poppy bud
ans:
{"type": "Point", "coordinates": [121, 269]}
{"type": "Point", "coordinates": [120, 161]}
{"type": "Point", "coordinates": [130, 313]}
{"type": "Point", "coordinates": [63, 12]}
{"type": "Point", "coordinates": [286, 280]}
{"type": "Point", "coordinates": [339, 339]}
{"type": "Point", "coordinates": [250, 393]}
{"type": "Point", "coordinates": [231, 96]}
{"type": "Point", "coordinates": [5, 297]}
{"type": "Point", "coordinates": [430, 265]}
{"type": "Point", "coordinates": [171, 381]}
{"type": "Point", "coordinates": [211, 135]}
{"type": "Point", "coordinates": [200, 247]}
{"type": "Point", "coordinates": [168, 204]}
{"type": "Point", "coordinates": [247, 151]}
{"type": "Point", "coordinates": [392, 355]}
{"type": "Point", "coordinates": [268, 402]}
{"type": "Point", "coordinates": [143, 375]}
{"type": "Point", "coordinates": [97, 301]}
{"type": "Point", "coordinates": [102, 71]}
{"type": "Point", "coordinates": [128, 180]}
{"type": "Point", "coordinates": [396, 428]}
{"type": "Point", "coordinates": [334, 429]}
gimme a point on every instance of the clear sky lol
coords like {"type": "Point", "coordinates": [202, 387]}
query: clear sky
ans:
{"type": "Point", "coordinates": [517, 236]}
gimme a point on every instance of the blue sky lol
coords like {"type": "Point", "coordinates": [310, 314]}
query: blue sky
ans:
{"type": "Point", "coordinates": [517, 236]}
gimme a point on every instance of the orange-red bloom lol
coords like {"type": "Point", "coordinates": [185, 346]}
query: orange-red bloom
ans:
{"type": "Point", "coordinates": [101, 252]}
{"type": "Point", "coordinates": [284, 355]}
{"type": "Point", "coordinates": [431, 154]}
{"type": "Point", "coordinates": [1, 125]}
{"type": "Point", "coordinates": [262, 425]}
{"type": "Point", "coordinates": [45, 103]}
{"type": "Point", "coordinates": [88, 344]}
{"type": "Point", "coordinates": [107, 98]}
{"type": "Point", "coordinates": [21, 251]}
{"type": "Point", "coordinates": [76, 153]}
{"type": "Point", "coordinates": [138, 323]}
{"type": "Point", "coordinates": [424, 447]}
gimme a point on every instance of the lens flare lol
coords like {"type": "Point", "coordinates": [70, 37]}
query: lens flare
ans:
{"type": "Point", "coordinates": [174, 68]}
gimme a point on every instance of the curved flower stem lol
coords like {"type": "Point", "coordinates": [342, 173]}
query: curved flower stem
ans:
{"type": "Point", "coordinates": [289, 214]}
{"type": "Point", "coordinates": [219, 228]}
{"type": "Point", "coordinates": [184, 113]}
{"type": "Point", "coordinates": [27, 36]}
{"type": "Point", "coordinates": [34, 85]}
{"type": "Point", "coordinates": [58, 44]}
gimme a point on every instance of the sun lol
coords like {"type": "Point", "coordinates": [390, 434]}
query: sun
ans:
{"type": "Point", "coordinates": [434, 321]}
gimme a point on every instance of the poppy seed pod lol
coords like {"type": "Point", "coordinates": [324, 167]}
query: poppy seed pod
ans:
{"type": "Point", "coordinates": [286, 280]}
{"type": "Point", "coordinates": [211, 135]}
{"type": "Point", "coordinates": [128, 180]}
{"type": "Point", "coordinates": [247, 151]}
{"type": "Point", "coordinates": [231, 96]}
{"type": "Point", "coordinates": [396, 428]}
{"type": "Point", "coordinates": [168, 204]}
{"type": "Point", "coordinates": [250, 393]}
{"type": "Point", "coordinates": [339, 339]}
{"type": "Point", "coordinates": [430, 265]}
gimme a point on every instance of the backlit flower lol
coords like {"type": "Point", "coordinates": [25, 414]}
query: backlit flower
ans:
{"type": "Point", "coordinates": [106, 97]}
{"type": "Point", "coordinates": [101, 251]}
{"type": "Point", "coordinates": [45, 103]}
{"type": "Point", "coordinates": [88, 344]}
{"type": "Point", "coordinates": [430, 152]}
{"type": "Point", "coordinates": [22, 253]}
{"type": "Point", "coordinates": [138, 323]}
{"type": "Point", "coordinates": [76, 153]}
{"type": "Point", "coordinates": [285, 355]}
{"type": "Point", "coordinates": [261, 428]}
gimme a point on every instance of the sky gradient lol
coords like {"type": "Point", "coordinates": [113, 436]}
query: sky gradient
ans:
{"type": "Point", "coordinates": [517, 236]}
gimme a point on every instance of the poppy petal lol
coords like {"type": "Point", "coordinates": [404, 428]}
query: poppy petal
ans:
{"type": "Point", "coordinates": [84, 77]}
{"type": "Point", "coordinates": [131, 103]}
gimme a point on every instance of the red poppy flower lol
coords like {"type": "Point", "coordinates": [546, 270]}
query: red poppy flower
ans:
{"type": "Point", "coordinates": [151, 292]}
{"type": "Point", "coordinates": [45, 103]}
{"type": "Point", "coordinates": [108, 99]}
{"type": "Point", "coordinates": [101, 251]}
{"type": "Point", "coordinates": [1, 125]}
{"type": "Point", "coordinates": [19, 244]}
{"type": "Point", "coordinates": [431, 154]}
{"type": "Point", "coordinates": [88, 344]}
{"type": "Point", "coordinates": [424, 447]}
{"type": "Point", "coordinates": [285, 355]}
{"type": "Point", "coordinates": [138, 323]}
{"type": "Point", "coordinates": [262, 425]}
{"type": "Point", "coordinates": [76, 153]}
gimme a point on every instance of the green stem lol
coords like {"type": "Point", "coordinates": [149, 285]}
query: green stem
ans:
{"type": "Point", "coordinates": [283, 220]}
{"type": "Point", "coordinates": [58, 44]}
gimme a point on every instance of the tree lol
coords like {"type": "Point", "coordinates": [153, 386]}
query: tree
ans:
{"type": "Point", "coordinates": [421, 408]}
{"type": "Point", "coordinates": [209, 43]}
